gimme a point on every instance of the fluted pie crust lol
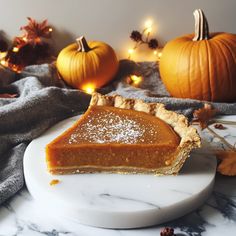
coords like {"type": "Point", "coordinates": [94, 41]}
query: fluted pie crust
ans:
{"type": "Point", "coordinates": [148, 154]}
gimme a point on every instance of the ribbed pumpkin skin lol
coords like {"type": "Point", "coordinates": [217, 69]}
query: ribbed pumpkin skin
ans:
{"type": "Point", "coordinates": [204, 70]}
{"type": "Point", "coordinates": [95, 67]}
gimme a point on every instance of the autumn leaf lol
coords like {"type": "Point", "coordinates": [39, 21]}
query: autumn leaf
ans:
{"type": "Point", "coordinates": [204, 115]}
{"type": "Point", "coordinates": [7, 95]}
{"type": "Point", "coordinates": [227, 165]}
{"type": "Point", "coordinates": [227, 159]}
{"type": "Point", "coordinates": [35, 31]}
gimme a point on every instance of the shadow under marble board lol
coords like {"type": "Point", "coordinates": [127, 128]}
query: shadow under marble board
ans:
{"type": "Point", "coordinates": [113, 200]}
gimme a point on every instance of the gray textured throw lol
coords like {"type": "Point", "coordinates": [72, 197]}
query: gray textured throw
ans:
{"type": "Point", "coordinates": [43, 100]}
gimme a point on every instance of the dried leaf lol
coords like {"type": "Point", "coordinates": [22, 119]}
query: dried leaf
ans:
{"type": "Point", "coordinates": [227, 165]}
{"type": "Point", "coordinates": [35, 31]}
{"type": "Point", "coordinates": [7, 95]}
{"type": "Point", "coordinates": [219, 126]}
{"type": "Point", "coordinates": [204, 115]}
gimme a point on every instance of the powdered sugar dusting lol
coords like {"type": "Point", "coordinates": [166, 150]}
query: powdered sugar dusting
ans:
{"type": "Point", "coordinates": [108, 127]}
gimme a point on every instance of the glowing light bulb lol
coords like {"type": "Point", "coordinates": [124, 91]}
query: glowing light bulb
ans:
{"type": "Point", "coordinates": [50, 29]}
{"type": "Point", "coordinates": [24, 38]}
{"type": "Point", "coordinates": [136, 79]}
{"type": "Point", "coordinates": [15, 49]}
{"type": "Point", "coordinates": [159, 54]}
{"type": "Point", "coordinates": [131, 51]}
{"type": "Point", "coordinates": [3, 62]}
{"type": "Point", "coordinates": [148, 26]}
{"type": "Point", "coordinates": [2, 55]}
{"type": "Point", "coordinates": [155, 52]}
{"type": "Point", "coordinates": [89, 89]}
{"type": "Point", "coordinates": [148, 23]}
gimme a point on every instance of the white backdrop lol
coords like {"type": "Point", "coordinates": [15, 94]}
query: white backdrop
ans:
{"type": "Point", "coordinates": [113, 20]}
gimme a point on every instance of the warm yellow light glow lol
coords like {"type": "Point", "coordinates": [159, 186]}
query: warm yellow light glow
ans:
{"type": "Point", "coordinates": [148, 23]}
{"type": "Point", "coordinates": [50, 29]}
{"type": "Point", "coordinates": [2, 54]}
{"type": "Point", "coordinates": [3, 62]}
{"type": "Point", "coordinates": [15, 49]}
{"type": "Point", "coordinates": [158, 54]}
{"type": "Point", "coordinates": [89, 89]}
{"type": "Point", "coordinates": [149, 30]}
{"type": "Point", "coordinates": [148, 26]}
{"type": "Point", "coordinates": [131, 51]}
{"type": "Point", "coordinates": [24, 38]}
{"type": "Point", "coordinates": [136, 79]}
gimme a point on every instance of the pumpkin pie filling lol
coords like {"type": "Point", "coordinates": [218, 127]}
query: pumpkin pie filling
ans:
{"type": "Point", "coordinates": [115, 138]}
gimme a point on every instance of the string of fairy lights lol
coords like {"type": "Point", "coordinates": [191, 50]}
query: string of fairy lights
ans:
{"type": "Point", "coordinates": [144, 38]}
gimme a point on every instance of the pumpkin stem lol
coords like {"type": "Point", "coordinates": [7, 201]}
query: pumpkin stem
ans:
{"type": "Point", "coordinates": [82, 44]}
{"type": "Point", "coordinates": [201, 26]}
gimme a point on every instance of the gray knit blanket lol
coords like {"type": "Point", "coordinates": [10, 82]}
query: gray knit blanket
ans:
{"type": "Point", "coordinates": [43, 100]}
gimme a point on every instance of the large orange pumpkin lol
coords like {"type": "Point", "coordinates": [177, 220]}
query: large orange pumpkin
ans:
{"type": "Point", "coordinates": [201, 66]}
{"type": "Point", "coordinates": [87, 64]}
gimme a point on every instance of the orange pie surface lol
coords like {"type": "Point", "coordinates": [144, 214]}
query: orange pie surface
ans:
{"type": "Point", "coordinates": [113, 139]}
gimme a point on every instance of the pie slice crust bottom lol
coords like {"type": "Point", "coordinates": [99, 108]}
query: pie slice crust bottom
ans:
{"type": "Point", "coordinates": [165, 141]}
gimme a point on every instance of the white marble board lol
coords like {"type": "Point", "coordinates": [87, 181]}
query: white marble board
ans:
{"type": "Point", "coordinates": [117, 201]}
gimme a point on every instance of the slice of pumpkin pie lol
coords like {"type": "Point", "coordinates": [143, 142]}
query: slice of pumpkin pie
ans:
{"type": "Point", "coordinates": [121, 135]}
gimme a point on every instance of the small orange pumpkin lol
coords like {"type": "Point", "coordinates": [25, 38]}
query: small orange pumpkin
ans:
{"type": "Point", "coordinates": [201, 66]}
{"type": "Point", "coordinates": [87, 64]}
